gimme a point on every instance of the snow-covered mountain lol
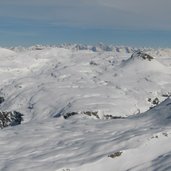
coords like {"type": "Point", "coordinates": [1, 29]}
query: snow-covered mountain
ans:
{"type": "Point", "coordinates": [85, 108]}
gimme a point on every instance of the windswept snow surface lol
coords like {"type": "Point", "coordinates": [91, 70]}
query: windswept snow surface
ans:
{"type": "Point", "coordinates": [47, 83]}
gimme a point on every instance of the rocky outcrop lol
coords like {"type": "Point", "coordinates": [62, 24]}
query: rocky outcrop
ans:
{"type": "Point", "coordinates": [69, 114]}
{"type": "Point", "coordinates": [10, 118]}
{"type": "Point", "coordinates": [93, 114]}
{"type": "Point", "coordinates": [2, 100]}
{"type": "Point", "coordinates": [142, 55]}
{"type": "Point", "coordinates": [116, 154]}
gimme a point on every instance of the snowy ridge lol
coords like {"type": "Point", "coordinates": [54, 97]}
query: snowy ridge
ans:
{"type": "Point", "coordinates": [96, 48]}
{"type": "Point", "coordinates": [120, 104]}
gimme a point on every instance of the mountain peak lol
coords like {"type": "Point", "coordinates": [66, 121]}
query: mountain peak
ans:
{"type": "Point", "coordinates": [142, 55]}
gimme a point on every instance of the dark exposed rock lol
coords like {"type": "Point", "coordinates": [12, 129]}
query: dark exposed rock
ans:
{"type": "Point", "coordinates": [165, 134]}
{"type": "Point", "coordinates": [114, 155]}
{"type": "Point", "coordinates": [10, 118]}
{"type": "Point", "coordinates": [67, 115]}
{"type": "Point", "coordinates": [89, 113]}
{"type": "Point", "coordinates": [142, 55]}
{"type": "Point", "coordinates": [155, 136]}
{"type": "Point", "coordinates": [93, 63]}
{"type": "Point", "coordinates": [156, 101]}
{"type": "Point", "coordinates": [166, 94]}
{"type": "Point", "coordinates": [31, 106]}
{"type": "Point", "coordinates": [2, 100]}
{"type": "Point", "coordinates": [146, 56]}
{"type": "Point", "coordinates": [149, 99]}
{"type": "Point", "coordinates": [112, 117]}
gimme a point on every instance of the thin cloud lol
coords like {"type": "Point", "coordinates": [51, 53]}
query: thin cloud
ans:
{"type": "Point", "coordinates": [121, 14]}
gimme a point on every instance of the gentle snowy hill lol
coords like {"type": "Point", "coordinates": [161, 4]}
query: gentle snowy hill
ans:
{"type": "Point", "coordinates": [6, 52]}
{"type": "Point", "coordinates": [86, 108]}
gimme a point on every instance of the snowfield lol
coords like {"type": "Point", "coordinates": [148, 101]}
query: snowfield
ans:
{"type": "Point", "coordinates": [86, 108]}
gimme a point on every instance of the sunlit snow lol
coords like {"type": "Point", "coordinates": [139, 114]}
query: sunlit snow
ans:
{"type": "Point", "coordinates": [117, 103]}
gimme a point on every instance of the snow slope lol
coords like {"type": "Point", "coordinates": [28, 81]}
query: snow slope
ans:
{"type": "Point", "coordinates": [46, 83]}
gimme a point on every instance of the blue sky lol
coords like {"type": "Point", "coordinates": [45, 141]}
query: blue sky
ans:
{"type": "Point", "coordinates": [120, 22]}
